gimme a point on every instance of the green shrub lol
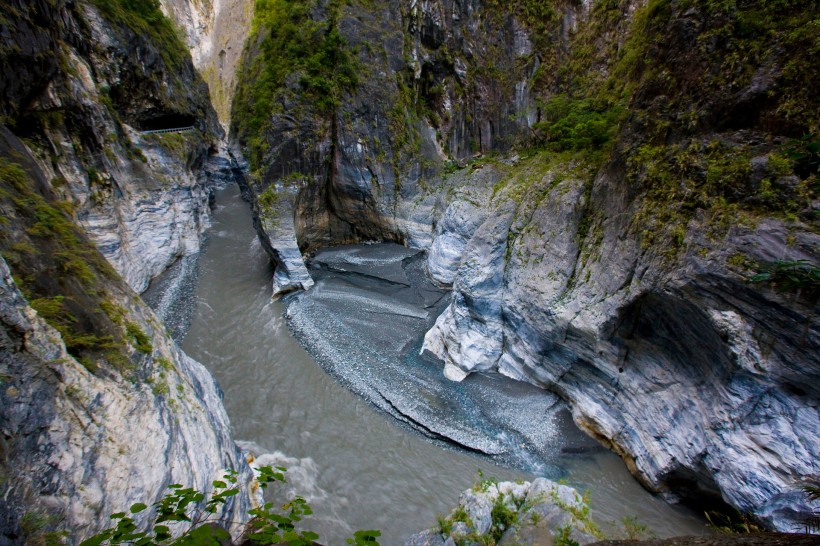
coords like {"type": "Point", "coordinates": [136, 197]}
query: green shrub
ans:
{"type": "Point", "coordinates": [635, 530]}
{"type": "Point", "coordinates": [364, 538]}
{"type": "Point", "coordinates": [161, 388]}
{"type": "Point", "coordinates": [562, 536]}
{"type": "Point", "coordinates": [445, 525]}
{"type": "Point", "coordinates": [805, 152]}
{"type": "Point", "coordinates": [35, 530]}
{"type": "Point", "coordinates": [138, 337]}
{"type": "Point", "coordinates": [59, 271]}
{"type": "Point", "coordinates": [197, 511]}
{"type": "Point", "coordinates": [789, 275]}
{"type": "Point", "coordinates": [735, 523]}
{"type": "Point", "coordinates": [502, 517]}
{"type": "Point", "coordinates": [293, 48]}
{"type": "Point", "coordinates": [578, 124]}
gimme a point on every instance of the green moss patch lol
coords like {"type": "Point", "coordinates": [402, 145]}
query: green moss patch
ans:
{"type": "Point", "coordinates": [64, 277]}
{"type": "Point", "coordinates": [715, 177]}
{"type": "Point", "coordinates": [578, 124]}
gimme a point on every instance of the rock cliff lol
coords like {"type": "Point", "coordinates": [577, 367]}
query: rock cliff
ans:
{"type": "Point", "coordinates": [82, 83]}
{"type": "Point", "coordinates": [677, 370]}
{"type": "Point", "coordinates": [99, 408]}
{"type": "Point", "coordinates": [374, 99]}
{"type": "Point", "coordinates": [215, 32]}
{"type": "Point", "coordinates": [601, 183]}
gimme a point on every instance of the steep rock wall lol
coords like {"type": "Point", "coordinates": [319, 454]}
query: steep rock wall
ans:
{"type": "Point", "coordinates": [215, 32]}
{"type": "Point", "coordinates": [613, 265]}
{"type": "Point", "coordinates": [629, 289]}
{"type": "Point", "coordinates": [391, 90]}
{"type": "Point", "coordinates": [71, 456]}
{"type": "Point", "coordinates": [81, 83]}
{"type": "Point", "coordinates": [689, 373]}
{"type": "Point", "coordinates": [100, 409]}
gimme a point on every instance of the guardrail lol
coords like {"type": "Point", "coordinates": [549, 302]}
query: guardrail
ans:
{"type": "Point", "coordinates": [173, 130]}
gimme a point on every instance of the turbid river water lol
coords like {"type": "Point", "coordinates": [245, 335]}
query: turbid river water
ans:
{"type": "Point", "coordinates": [373, 435]}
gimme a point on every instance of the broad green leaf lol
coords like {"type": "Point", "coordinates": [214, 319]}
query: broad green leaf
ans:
{"type": "Point", "coordinates": [96, 540]}
{"type": "Point", "coordinates": [162, 532]}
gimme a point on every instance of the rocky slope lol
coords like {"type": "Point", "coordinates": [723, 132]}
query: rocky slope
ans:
{"type": "Point", "coordinates": [678, 372]}
{"type": "Point", "coordinates": [542, 513]}
{"type": "Point", "coordinates": [598, 181]}
{"type": "Point", "coordinates": [506, 513]}
{"type": "Point", "coordinates": [99, 408]}
{"type": "Point", "coordinates": [358, 160]}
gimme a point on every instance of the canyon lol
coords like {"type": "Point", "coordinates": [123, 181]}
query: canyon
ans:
{"type": "Point", "coordinates": [620, 197]}
{"type": "Point", "coordinates": [611, 266]}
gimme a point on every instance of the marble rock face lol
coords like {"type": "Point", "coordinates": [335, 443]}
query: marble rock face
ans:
{"type": "Point", "coordinates": [88, 434]}
{"type": "Point", "coordinates": [706, 384]}
{"type": "Point", "coordinates": [540, 510]}
{"type": "Point", "coordinates": [141, 197]}
{"type": "Point", "coordinates": [700, 380]}
{"type": "Point", "coordinates": [81, 446]}
{"type": "Point", "coordinates": [153, 220]}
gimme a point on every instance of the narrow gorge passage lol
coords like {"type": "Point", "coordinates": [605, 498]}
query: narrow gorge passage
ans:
{"type": "Point", "coordinates": [357, 466]}
{"type": "Point", "coordinates": [622, 194]}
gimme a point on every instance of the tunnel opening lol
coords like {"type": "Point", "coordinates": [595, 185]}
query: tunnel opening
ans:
{"type": "Point", "coordinates": [167, 121]}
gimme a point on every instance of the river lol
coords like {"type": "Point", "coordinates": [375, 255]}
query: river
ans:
{"type": "Point", "coordinates": [392, 455]}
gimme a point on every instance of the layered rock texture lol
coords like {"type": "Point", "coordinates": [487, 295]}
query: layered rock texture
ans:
{"type": "Point", "coordinates": [99, 408]}
{"type": "Point", "coordinates": [82, 83]}
{"type": "Point", "coordinates": [622, 195]}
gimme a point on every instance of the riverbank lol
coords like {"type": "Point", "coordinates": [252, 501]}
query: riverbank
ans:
{"type": "Point", "coordinates": [358, 467]}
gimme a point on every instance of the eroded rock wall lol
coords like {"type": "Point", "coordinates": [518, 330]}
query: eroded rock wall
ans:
{"type": "Point", "coordinates": [408, 87]}
{"type": "Point", "coordinates": [215, 32]}
{"type": "Point", "coordinates": [79, 447]}
{"type": "Point", "coordinates": [635, 290]}
{"type": "Point", "coordinates": [100, 409]}
{"type": "Point", "coordinates": [690, 373]}
{"type": "Point", "coordinates": [82, 86]}
{"type": "Point", "coordinates": [651, 163]}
